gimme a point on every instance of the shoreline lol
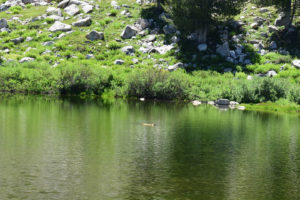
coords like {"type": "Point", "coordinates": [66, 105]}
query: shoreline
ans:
{"type": "Point", "coordinates": [264, 107]}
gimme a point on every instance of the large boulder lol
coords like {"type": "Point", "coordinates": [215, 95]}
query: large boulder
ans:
{"type": "Point", "coordinates": [83, 22]}
{"type": "Point", "coordinates": [3, 23]}
{"type": "Point", "coordinates": [27, 1]}
{"type": "Point", "coordinates": [94, 35]}
{"type": "Point", "coordinates": [169, 29]}
{"type": "Point", "coordinates": [87, 8]}
{"type": "Point", "coordinates": [223, 50]}
{"type": "Point", "coordinates": [59, 26]}
{"type": "Point", "coordinates": [223, 102]}
{"type": "Point", "coordinates": [26, 59]}
{"type": "Point", "coordinates": [176, 66]}
{"type": "Point", "coordinates": [72, 10]}
{"type": "Point", "coordinates": [129, 32]}
{"type": "Point", "coordinates": [4, 7]}
{"type": "Point", "coordinates": [296, 63]}
{"type": "Point", "coordinates": [63, 4]}
{"type": "Point", "coordinates": [129, 50]}
{"type": "Point", "coordinates": [54, 11]}
{"type": "Point", "coordinates": [144, 23]}
{"type": "Point", "coordinates": [282, 20]}
{"type": "Point", "coordinates": [17, 40]}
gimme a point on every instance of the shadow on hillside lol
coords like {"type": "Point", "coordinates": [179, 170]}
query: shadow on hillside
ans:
{"type": "Point", "coordinates": [188, 52]}
{"type": "Point", "coordinates": [210, 60]}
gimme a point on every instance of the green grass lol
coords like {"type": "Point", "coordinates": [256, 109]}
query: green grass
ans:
{"type": "Point", "coordinates": [280, 106]}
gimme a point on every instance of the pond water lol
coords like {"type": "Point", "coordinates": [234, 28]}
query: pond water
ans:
{"type": "Point", "coordinates": [76, 150]}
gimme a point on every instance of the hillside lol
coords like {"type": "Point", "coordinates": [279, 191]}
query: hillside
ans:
{"type": "Point", "coordinates": [125, 48]}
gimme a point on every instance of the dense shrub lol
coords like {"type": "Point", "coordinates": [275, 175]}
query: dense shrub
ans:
{"type": "Point", "coordinates": [89, 78]}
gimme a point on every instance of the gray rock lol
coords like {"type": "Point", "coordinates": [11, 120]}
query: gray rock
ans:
{"type": "Point", "coordinates": [56, 18]}
{"type": "Point", "coordinates": [282, 20]}
{"type": "Point", "coordinates": [233, 103]}
{"type": "Point", "coordinates": [47, 51]}
{"type": "Point", "coordinates": [3, 23]}
{"type": "Point", "coordinates": [54, 11]}
{"type": "Point", "coordinates": [27, 1]}
{"type": "Point", "coordinates": [26, 59]}
{"type": "Point", "coordinates": [83, 22]}
{"type": "Point", "coordinates": [271, 73]}
{"type": "Point", "coordinates": [129, 32]}
{"type": "Point", "coordinates": [202, 47]}
{"type": "Point", "coordinates": [119, 62]}
{"type": "Point", "coordinates": [29, 39]}
{"type": "Point", "coordinates": [17, 40]}
{"type": "Point", "coordinates": [163, 49]}
{"type": "Point", "coordinates": [4, 7]}
{"type": "Point", "coordinates": [272, 29]}
{"type": "Point", "coordinates": [259, 20]}
{"type": "Point", "coordinates": [151, 38]}
{"type": "Point", "coordinates": [263, 10]}
{"type": "Point", "coordinates": [223, 102]}
{"type": "Point", "coordinates": [49, 43]}
{"type": "Point", "coordinates": [273, 45]}
{"type": "Point", "coordinates": [196, 103]}
{"type": "Point", "coordinates": [135, 61]}
{"type": "Point", "coordinates": [223, 50]}
{"type": "Point", "coordinates": [87, 8]}
{"type": "Point", "coordinates": [144, 23]}
{"type": "Point", "coordinates": [115, 5]}
{"type": "Point", "coordinates": [296, 63]}
{"type": "Point", "coordinates": [254, 25]}
{"type": "Point", "coordinates": [129, 50]}
{"type": "Point", "coordinates": [89, 56]}
{"type": "Point", "coordinates": [94, 35]}
{"type": "Point", "coordinates": [63, 4]}
{"type": "Point", "coordinates": [259, 46]}
{"type": "Point", "coordinates": [169, 29]}
{"type": "Point", "coordinates": [176, 66]}
{"type": "Point", "coordinates": [175, 39]}
{"type": "Point", "coordinates": [72, 10]}
{"type": "Point", "coordinates": [59, 26]}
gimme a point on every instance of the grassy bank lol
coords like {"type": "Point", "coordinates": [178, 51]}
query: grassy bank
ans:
{"type": "Point", "coordinates": [88, 78]}
{"type": "Point", "coordinates": [280, 106]}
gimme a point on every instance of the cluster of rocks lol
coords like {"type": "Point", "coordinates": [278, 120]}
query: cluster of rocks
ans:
{"type": "Point", "coordinates": [5, 6]}
{"type": "Point", "coordinates": [221, 104]}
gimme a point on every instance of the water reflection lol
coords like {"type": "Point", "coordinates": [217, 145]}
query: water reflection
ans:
{"type": "Point", "coordinates": [74, 149]}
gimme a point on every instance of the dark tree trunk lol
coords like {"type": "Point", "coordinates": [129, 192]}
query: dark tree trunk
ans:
{"type": "Point", "coordinates": [159, 4]}
{"type": "Point", "coordinates": [294, 7]}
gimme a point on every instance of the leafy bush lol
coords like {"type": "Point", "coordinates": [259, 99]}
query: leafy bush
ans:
{"type": "Point", "coordinates": [15, 9]}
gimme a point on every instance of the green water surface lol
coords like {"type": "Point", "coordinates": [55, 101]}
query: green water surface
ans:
{"type": "Point", "coordinates": [77, 150]}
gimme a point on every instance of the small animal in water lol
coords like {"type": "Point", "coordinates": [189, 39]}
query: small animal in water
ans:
{"type": "Point", "coordinates": [144, 124]}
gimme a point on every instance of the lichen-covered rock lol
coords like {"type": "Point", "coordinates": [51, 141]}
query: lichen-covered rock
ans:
{"type": "Point", "coordinates": [94, 35]}
{"type": "Point", "coordinates": [59, 26]}
{"type": "Point", "coordinates": [83, 22]}
{"type": "Point", "coordinates": [87, 8]}
{"type": "Point", "coordinates": [129, 32]}
{"type": "Point", "coordinates": [72, 10]}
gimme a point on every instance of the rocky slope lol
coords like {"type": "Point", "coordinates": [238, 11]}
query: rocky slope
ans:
{"type": "Point", "coordinates": [127, 33]}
